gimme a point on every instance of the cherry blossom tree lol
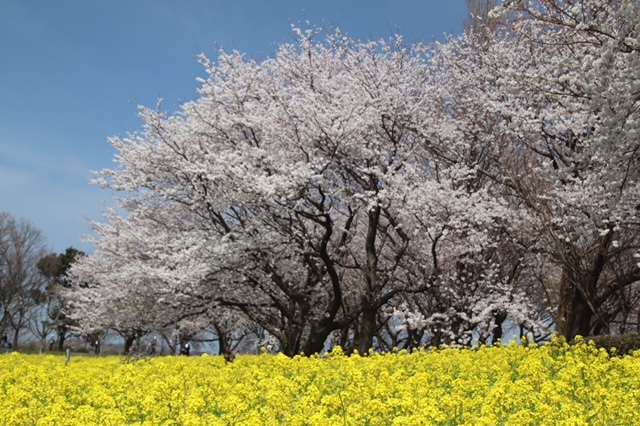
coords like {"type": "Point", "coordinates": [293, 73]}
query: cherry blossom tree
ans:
{"type": "Point", "coordinates": [577, 117]}
{"type": "Point", "coordinates": [264, 195]}
{"type": "Point", "coordinates": [273, 194]}
{"type": "Point", "coordinates": [382, 193]}
{"type": "Point", "coordinates": [553, 102]}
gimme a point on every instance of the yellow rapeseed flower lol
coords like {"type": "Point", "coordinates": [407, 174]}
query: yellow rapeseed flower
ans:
{"type": "Point", "coordinates": [511, 385]}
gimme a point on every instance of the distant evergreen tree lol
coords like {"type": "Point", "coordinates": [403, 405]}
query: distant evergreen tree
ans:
{"type": "Point", "coordinates": [55, 267]}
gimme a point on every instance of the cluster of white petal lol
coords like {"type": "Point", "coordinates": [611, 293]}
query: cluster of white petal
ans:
{"type": "Point", "coordinates": [385, 191]}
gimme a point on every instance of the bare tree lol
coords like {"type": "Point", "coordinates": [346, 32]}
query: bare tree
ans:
{"type": "Point", "coordinates": [21, 283]}
{"type": "Point", "coordinates": [39, 323]}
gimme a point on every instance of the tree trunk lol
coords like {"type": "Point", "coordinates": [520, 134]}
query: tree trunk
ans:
{"type": "Point", "coordinates": [62, 335]}
{"type": "Point", "coordinates": [574, 315]}
{"type": "Point", "coordinates": [366, 331]}
{"type": "Point", "coordinates": [128, 343]}
{"type": "Point", "coordinates": [15, 339]}
{"type": "Point", "coordinates": [290, 345]}
{"type": "Point", "coordinates": [225, 343]}
{"type": "Point", "coordinates": [367, 324]}
{"type": "Point", "coordinates": [578, 302]}
{"type": "Point", "coordinates": [225, 349]}
{"type": "Point", "coordinates": [318, 335]}
{"type": "Point", "coordinates": [496, 332]}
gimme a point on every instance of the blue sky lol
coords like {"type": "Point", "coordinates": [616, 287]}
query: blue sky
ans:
{"type": "Point", "coordinates": [72, 73]}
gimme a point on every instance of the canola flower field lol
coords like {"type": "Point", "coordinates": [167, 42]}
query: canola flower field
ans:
{"type": "Point", "coordinates": [553, 384]}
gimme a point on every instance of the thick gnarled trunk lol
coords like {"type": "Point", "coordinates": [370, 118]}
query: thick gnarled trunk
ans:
{"type": "Point", "coordinates": [366, 330]}
{"type": "Point", "coordinates": [574, 315]}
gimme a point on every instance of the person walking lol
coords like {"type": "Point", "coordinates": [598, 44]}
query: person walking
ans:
{"type": "Point", "coordinates": [185, 349]}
